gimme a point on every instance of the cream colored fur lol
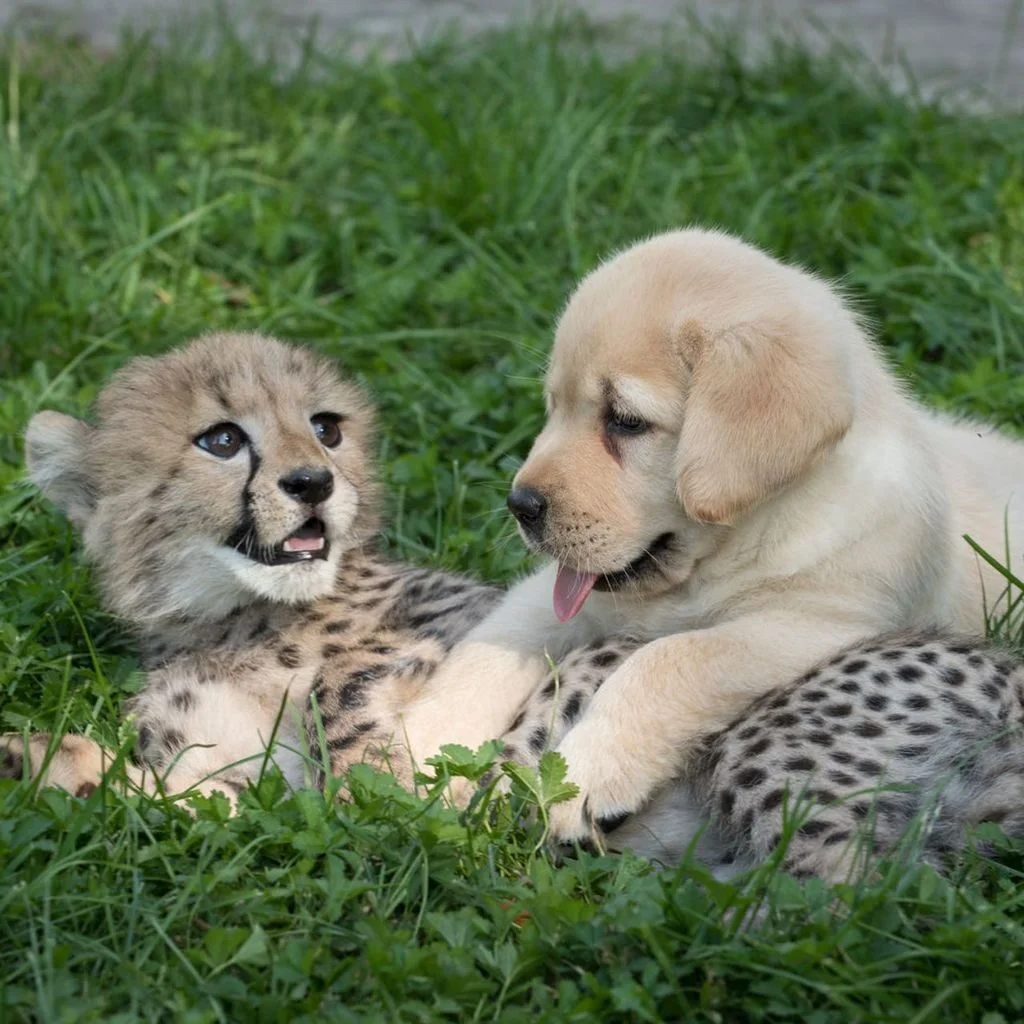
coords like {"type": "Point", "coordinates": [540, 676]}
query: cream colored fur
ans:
{"type": "Point", "coordinates": [810, 502]}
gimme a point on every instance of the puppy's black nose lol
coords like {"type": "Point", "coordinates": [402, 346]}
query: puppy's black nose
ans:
{"type": "Point", "coordinates": [308, 484]}
{"type": "Point", "coordinates": [528, 506]}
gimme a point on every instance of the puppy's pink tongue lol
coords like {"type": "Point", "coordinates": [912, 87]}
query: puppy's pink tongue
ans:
{"type": "Point", "coordinates": [571, 590]}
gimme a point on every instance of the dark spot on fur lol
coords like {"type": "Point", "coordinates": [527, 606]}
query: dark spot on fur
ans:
{"type": "Point", "coordinates": [962, 707]}
{"type": "Point", "coordinates": [289, 656]}
{"type": "Point", "coordinates": [605, 658]}
{"type": "Point", "coordinates": [820, 738]}
{"type": "Point", "coordinates": [12, 765]}
{"type": "Point", "coordinates": [781, 701]}
{"type": "Point", "coordinates": [975, 660]}
{"type": "Point", "coordinates": [800, 764]}
{"type": "Point", "coordinates": [922, 728]}
{"type": "Point", "coordinates": [352, 694]}
{"type": "Point", "coordinates": [841, 756]}
{"type": "Point", "coordinates": [572, 708]}
{"type": "Point", "coordinates": [952, 676]}
{"type": "Point", "coordinates": [990, 690]}
{"type": "Point", "coordinates": [868, 767]}
{"type": "Point", "coordinates": [145, 737]}
{"type": "Point", "coordinates": [881, 678]}
{"type": "Point", "coordinates": [173, 740]}
{"type": "Point", "coordinates": [837, 710]}
{"type": "Point", "coordinates": [538, 739]}
{"type": "Point", "coordinates": [785, 719]}
{"type": "Point", "coordinates": [876, 702]}
{"type": "Point", "coordinates": [346, 741]}
{"type": "Point", "coordinates": [517, 721]}
{"type": "Point", "coordinates": [893, 654]}
{"type": "Point", "coordinates": [814, 828]}
{"type": "Point", "coordinates": [758, 748]}
{"type": "Point", "coordinates": [750, 777]}
{"type": "Point", "coordinates": [772, 800]}
{"type": "Point", "coordinates": [927, 657]}
{"type": "Point", "coordinates": [850, 686]}
{"type": "Point", "coordinates": [840, 836]}
{"type": "Point", "coordinates": [727, 801]}
{"type": "Point", "coordinates": [841, 778]}
{"type": "Point", "coordinates": [158, 492]}
{"type": "Point", "coordinates": [815, 695]}
{"type": "Point", "coordinates": [183, 701]}
{"type": "Point", "coordinates": [851, 668]}
{"type": "Point", "coordinates": [868, 730]}
{"type": "Point", "coordinates": [332, 650]}
{"type": "Point", "coordinates": [859, 809]}
{"type": "Point", "coordinates": [908, 673]}
{"type": "Point", "coordinates": [748, 733]}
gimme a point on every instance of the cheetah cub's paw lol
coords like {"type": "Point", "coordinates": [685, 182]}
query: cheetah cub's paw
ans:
{"type": "Point", "coordinates": [76, 765]}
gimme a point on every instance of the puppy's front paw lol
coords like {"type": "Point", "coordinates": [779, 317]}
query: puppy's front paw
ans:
{"type": "Point", "coordinates": [610, 789]}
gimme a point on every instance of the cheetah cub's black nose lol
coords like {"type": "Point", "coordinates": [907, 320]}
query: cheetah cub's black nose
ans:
{"type": "Point", "coordinates": [308, 485]}
{"type": "Point", "coordinates": [528, 506]}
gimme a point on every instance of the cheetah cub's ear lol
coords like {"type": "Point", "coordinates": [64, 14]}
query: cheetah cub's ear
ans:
{"type": "Point", "coordinates": [57, 453]}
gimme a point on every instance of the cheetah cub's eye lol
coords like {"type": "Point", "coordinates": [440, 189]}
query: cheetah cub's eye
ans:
{"type": "Point", "coordinates": [224, 440]}
{"type": "Point", "coordinates": [327, 429]}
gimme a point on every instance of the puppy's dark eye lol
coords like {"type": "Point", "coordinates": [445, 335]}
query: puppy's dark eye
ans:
{"type": "Point", "coordinates": [626, 423]}
{"type": "Point", "coordinates": [223, 440]}
{"type": "Point", "coordinates": [327, 429]}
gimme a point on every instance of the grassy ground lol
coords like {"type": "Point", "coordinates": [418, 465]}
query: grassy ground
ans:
{"type": "Point", "coordinates": [422, 221]}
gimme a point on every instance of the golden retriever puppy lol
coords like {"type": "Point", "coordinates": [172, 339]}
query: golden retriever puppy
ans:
{"type": "Point", "coordinates": [730, 471]}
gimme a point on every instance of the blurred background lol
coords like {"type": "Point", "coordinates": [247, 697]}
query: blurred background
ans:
{"type": "Point", "coordinates": [972, 46]}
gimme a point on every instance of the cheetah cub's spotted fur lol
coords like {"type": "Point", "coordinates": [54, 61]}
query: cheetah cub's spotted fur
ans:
{"type": "Point", "coordinates": [920, 727]}
{"type": "Point", "coordinates": [236, 543]}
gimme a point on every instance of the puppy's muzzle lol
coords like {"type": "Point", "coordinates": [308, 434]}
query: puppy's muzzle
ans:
{"type": "Point", "coordinates": [530, 508]}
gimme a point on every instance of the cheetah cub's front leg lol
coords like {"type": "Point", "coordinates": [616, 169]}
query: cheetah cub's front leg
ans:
{"type": "Point", "coordinates": [183, 745]}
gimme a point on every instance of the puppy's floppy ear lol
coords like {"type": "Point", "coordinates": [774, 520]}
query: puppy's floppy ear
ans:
{"type": "Point", "coordinates": [56, 450]}
{"type": "Point", "coordinates": [763, 404]}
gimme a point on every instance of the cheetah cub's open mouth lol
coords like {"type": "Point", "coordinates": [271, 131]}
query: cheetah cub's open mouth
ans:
{"type": "Point", "coordinates": [308, 543]}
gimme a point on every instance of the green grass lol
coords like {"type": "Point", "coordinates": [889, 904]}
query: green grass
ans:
{"type": "Point", "coordinates": [423, 220]}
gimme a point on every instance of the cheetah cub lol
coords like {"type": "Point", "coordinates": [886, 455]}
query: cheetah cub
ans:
{"type": "Point", "coordinates": [237, 545]}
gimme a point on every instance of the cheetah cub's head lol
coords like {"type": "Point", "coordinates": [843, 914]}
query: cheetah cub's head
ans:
{"type": "Point", "coordinates": [235, 469]}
